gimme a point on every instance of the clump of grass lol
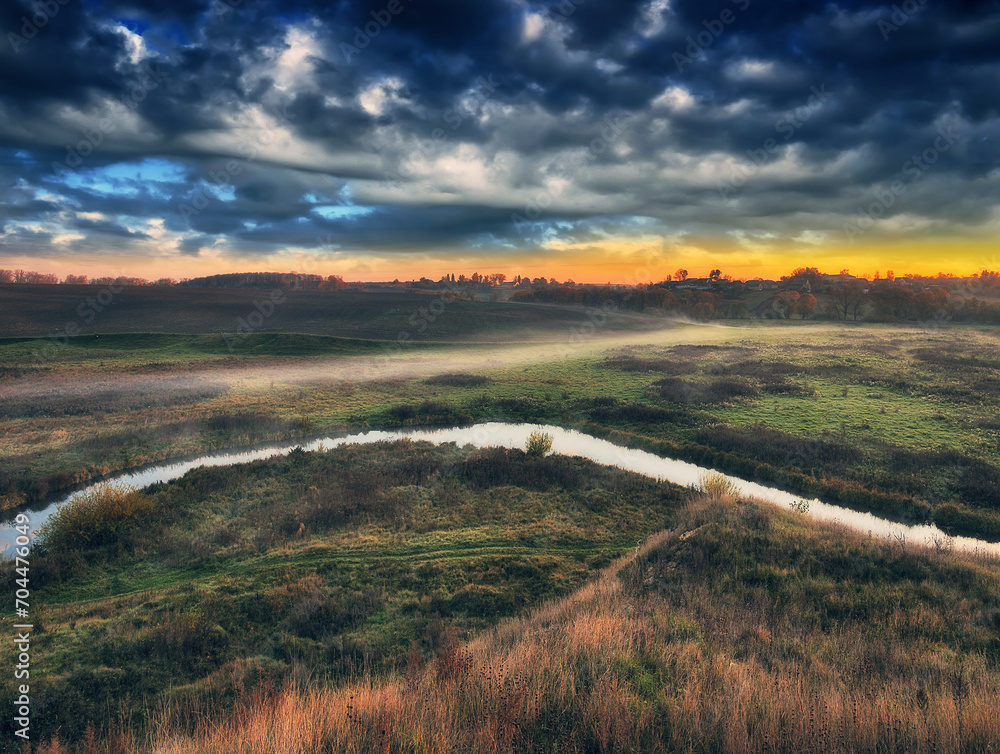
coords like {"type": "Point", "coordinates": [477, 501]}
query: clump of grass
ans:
{"type": "Point", "coordinates": [801, 506]}
{"type": "Point", "coordinates": [539, 444]}
{"type": "Point", "coordinates": [100, 517]}
{"type": "Point", "coordinates": [718, 486]}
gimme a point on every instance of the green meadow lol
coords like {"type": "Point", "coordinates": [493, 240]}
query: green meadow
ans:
{"type": "Point", "coordinates": [328, 593]}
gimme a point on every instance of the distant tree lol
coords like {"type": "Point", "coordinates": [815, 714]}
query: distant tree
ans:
{"type": "Point", "coordinates": [41, 278]}
{"type": "Point", "coordinates": [166, 281]}
{"type": "Point", "coordinates": [334, 282]}
{"type": "Point", "coordinates": [738, 309]}
{"type": "Point", "coordinates": [802, 275]}
{"type": "Point", "coordinates": [847, 300]}
{"type": "Point", "coordinates": [715, 276]}
{"type": "Point", "coordinates": [805, 307]}
{"type": "Point", "coordinates": [661, 298]}
{"type": "Point", "coordinates": [20, 276]}
{"type": "Point", "coordinates": [890, 275]}
{"type": "Point", "coordinates": [702, 311]}
{"type": "Point", "coordinates": [124, 280]}
{"type": "Point", "coordinates": [892, 302]}
{"type": "Point", "coordinates": [706, 306]}
{"type": "Point", "coordinates": [784, 303]}
{"type": "Point", "coordinates": [681, 275]}
{"type": "Point", "coordinates": [75, 280]}
{"type": "Point", "coordinates": [931, 305]}
{"type": "Point", "coordinates": [6, 276]}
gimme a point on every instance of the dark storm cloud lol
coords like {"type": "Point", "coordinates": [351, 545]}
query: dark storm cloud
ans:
{"type": "Point", "coordinates": [443, 119]}
{"type": "Point", "coordinates": [104, 227]}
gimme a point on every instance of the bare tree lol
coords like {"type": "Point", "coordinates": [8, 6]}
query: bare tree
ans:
{"type": "Point", "coordinates": [848, 300]}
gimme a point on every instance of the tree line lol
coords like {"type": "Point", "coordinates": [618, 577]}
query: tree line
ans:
{"type": "Point", "coordinates": [43, 278]}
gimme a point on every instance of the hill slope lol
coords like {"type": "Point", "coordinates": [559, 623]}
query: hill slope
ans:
{"type": "Point", "coordinates": [742, 630]}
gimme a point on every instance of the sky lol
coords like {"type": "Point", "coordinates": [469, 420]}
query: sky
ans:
{"type": "Point", "coordinates": [593, 140]}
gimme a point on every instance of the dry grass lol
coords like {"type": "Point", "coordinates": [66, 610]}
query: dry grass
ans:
{"type": "Point", "coordinates": [655, 656]}
{"type": "Point", "coordinates": [718, 486]}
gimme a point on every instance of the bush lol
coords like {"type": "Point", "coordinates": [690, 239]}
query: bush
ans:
{"type": "Point", "coordinates": [539, 444]}
{"type": "Point", "coordinates": [99, 517]}
{"type": "Point", "coordinates": [957, 519]}
{"type": "Point", "coordinates": [717, 485]}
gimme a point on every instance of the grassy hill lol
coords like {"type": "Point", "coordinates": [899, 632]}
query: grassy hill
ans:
{"type": "Point", "coordinates": [319, 565]}
{"type": "Point", "coordinates": [38, 310]}
{"type": "Point", "coordinates": [411, 598]}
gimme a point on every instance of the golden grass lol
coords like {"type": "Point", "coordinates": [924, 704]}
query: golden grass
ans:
{"type": "Point", "coordinates": [627, 664]}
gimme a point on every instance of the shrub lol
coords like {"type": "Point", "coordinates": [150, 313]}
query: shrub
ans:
{"type": "Point", "coordinates": [801, 506]}
{"type": "Point", "coordinates": [718, 485]}
{"type": "Point", "coordinates": [99, 517]}
{"type": "Point", "coordinates": [958, 519]}
{"type": "Point", "coordinates": [539, 444]}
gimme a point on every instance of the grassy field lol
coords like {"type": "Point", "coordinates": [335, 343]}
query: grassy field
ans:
{"type": "Point", "coordinates": [897, 420]}
{"type": "Point", "coordinates": [392, 598]}
{"type": "Point", "coordinates": [322, 566]}
{"type": "Point", "coordinates": [407, 597]}
{"type": "Point", "coordinates": [41, 310]}
{"type": "Point", "coordinates": [740, 630]}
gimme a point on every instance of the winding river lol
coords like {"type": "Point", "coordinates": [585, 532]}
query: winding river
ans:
{"type": "Point", "coordinates": [564, 441]}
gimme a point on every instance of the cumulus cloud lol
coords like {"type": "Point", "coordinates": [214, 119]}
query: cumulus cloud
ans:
{"type": "Point", "coordinates": [177, 128]}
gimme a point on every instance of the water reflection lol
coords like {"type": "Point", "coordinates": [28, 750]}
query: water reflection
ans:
{"type": "Point", "coordinates": [564, 441]}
